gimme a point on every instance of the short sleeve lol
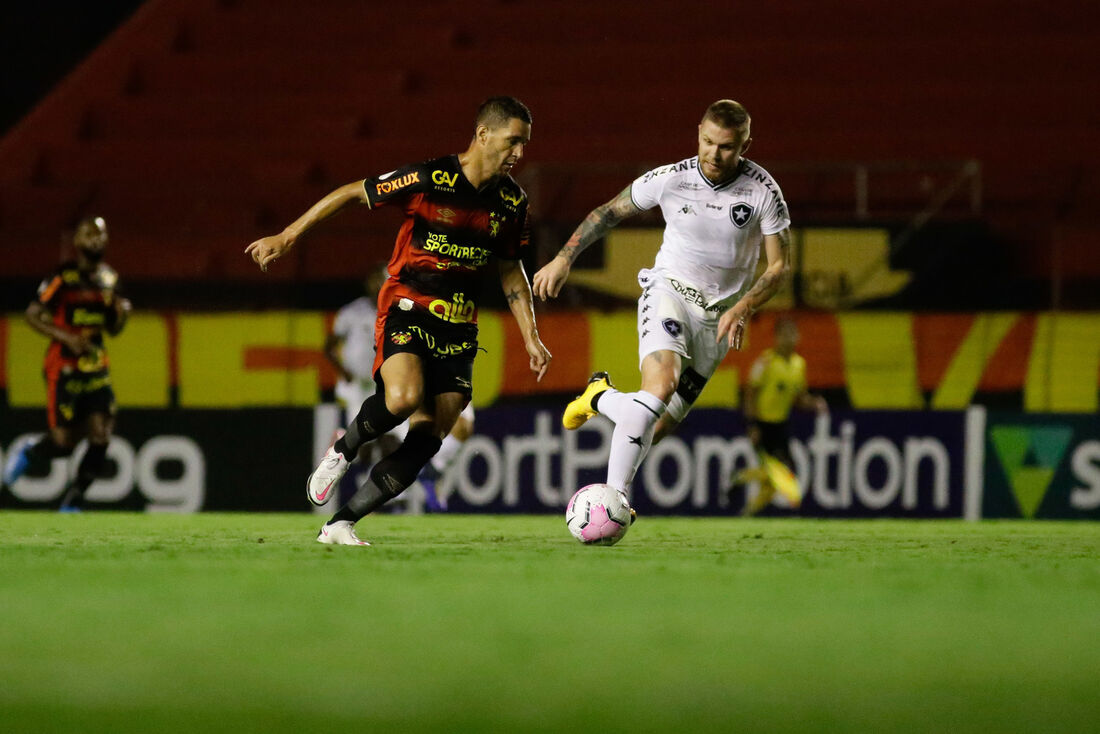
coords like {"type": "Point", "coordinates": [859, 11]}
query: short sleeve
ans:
{"type": "Point", "coordinates": [774, 217]}
{"type": "Point", "coordinates": [645, 191]}
{"type": "Point", "coordinates": [514, 247]}
{"type": "Point", "coordinates": [396, 186]}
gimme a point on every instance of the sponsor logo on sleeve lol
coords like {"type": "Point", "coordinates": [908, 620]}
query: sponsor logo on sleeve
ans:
{"type": "Point", "coordinates": [388, 187]}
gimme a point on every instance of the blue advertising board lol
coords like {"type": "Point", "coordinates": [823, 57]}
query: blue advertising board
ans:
{"type": "Point", "coordinates": [895, 464]}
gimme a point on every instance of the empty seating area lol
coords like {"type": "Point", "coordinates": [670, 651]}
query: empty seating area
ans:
{"type": "Point", "coordinates": [203, 124]}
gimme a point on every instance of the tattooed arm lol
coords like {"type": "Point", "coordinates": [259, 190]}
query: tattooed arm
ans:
{"type": "Point", "coordinates": [777, 249]}
{"type": "Point", "coordinates": [518, 293]}
{"type": "Point", "coordinates": [550, 279]}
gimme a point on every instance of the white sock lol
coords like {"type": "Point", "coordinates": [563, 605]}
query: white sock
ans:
{"type": "Point", "coordinates": [635, 415]}
{"type": "Point", "coordinates": [446, 454]}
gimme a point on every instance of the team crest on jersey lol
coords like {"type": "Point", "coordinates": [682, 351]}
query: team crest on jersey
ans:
{"type": "Point", "coordinates": [741, 213]}
{"type": "Point", "coordinates": [401, 338]}
{"type": "Point", "coordinates": [673, 327]}
{"type": "Point", "coordinates": [494, 223]}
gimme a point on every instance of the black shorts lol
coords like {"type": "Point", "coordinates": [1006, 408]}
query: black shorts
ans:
{"type": "Point", "coordinates": [775, 440]}
{"type": "Point", "coordinates": [71, 397]}
{"type": "Point", "coordinates": [446, 350]}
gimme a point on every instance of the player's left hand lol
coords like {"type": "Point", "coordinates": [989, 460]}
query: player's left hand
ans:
{"type": "Point", "coordinates": [733, 324]}
{"type": "Point", "coordinates": [550, 278]}
{"type": "Point", "coordinates": [540, 357]}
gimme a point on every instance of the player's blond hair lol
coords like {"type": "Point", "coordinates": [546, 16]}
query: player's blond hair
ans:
{"type": "Point", "coordinates": [728, 114]}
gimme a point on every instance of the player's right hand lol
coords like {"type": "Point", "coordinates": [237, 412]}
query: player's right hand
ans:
{"type": "Point", "coordinates": [549, 280]}
{"type": "Point", "coordinates": [267, 250]}
{"type": "Point", "coordinates": [78, 344]}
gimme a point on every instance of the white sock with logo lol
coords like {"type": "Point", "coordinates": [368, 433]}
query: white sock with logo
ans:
{"type": "Point", "coordinates": [635, 415]}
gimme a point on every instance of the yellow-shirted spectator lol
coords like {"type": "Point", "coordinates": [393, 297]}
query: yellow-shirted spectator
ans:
{"type": "Point", "coordinates": [777, 382]}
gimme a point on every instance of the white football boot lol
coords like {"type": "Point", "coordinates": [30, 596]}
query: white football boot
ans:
{"type": "Point", "coordinates": [341, 532]}
{"type": "Point", "coordinates": [322, 482]}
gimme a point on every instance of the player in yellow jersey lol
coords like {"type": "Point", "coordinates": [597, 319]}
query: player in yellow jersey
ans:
{"type": "Point", "coordinates": [777, 382]}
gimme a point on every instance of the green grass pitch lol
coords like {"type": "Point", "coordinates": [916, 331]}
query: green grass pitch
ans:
{"type": "Point", "coordinates": [116, 622]}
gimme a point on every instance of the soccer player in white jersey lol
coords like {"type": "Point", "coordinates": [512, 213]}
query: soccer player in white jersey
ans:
{"type": "Point", "coordinates": [718, 209]}
{"type": "Point", "coordinates": [350, 345]}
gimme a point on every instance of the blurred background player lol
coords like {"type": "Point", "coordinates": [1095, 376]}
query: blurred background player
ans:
{"type": "Point", "coordinates": [444, 459]}
{"type": "Point", "coordinates": [696, 299]}
{"type": "Point", "coordinates": [74, 307]}
{"type": "Point", "coordinates": [461, 212]}
{"type": "Point", "coordinates": [777, 382]}
{"type": "Point", "coordinates": [350, 349]}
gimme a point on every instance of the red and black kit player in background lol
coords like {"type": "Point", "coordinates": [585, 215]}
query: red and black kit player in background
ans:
{"type": "Point", "coordinates": [74, 307]}
{"type": "Point", "coordinates": [461, 213]}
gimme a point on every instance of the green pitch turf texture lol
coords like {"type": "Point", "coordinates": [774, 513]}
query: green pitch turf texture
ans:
{"type": "Point", "coordinates": [114, 622]}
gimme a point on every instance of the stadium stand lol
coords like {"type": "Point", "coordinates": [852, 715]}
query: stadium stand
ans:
{"type": "Point", "coordinates": [201, 125]}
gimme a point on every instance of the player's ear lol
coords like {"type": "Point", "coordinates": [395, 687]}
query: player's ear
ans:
{"type": "Point", "coordinates": [746, 146]}
{"type": "Point", "coordinates": [481, 134]}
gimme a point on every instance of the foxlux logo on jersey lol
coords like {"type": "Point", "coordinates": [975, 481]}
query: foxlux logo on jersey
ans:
{"type": "Point", "coordinates": [388, 187]}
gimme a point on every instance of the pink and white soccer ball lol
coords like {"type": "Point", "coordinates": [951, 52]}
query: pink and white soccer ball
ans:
{"type": "Point", "coordinates": [598, 515]}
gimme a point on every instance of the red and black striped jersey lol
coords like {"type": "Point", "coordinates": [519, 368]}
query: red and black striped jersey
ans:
{"type": "Point", "coordinates": [83, 303]}
{"type": "Point", "coordinates": [450, 233]}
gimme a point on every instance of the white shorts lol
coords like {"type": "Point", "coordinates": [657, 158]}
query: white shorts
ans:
{"type": "Point", "coordinates": [676, 322]}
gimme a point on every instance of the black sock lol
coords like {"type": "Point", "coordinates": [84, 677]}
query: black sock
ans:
{"type": "Point", "coordinates": [390, 476]}
{"type": "Point", "coordinates": [374, 419]}
{"type": "Point", "coordinates": [45, 449]}
{"type": "Point", "coordinates": [90, 468]}
{"type": "Point", "coordinates": [596, 399]}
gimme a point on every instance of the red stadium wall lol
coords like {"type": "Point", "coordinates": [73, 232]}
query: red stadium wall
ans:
{"type": "Point", "coordinates": [201, 125]}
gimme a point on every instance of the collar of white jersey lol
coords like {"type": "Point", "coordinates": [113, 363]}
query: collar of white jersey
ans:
{"type": "Point", "coordinates": [719, 186]}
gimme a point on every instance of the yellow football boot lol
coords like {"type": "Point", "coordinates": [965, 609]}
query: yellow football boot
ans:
{"type": "Point", "coordinates": [580, 409]}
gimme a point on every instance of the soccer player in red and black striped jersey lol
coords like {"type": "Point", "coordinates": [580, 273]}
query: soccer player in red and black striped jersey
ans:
{"type": "Point", "coordinates": [74, 308]}
{"type": "Point", "coordinates": [461, 213]}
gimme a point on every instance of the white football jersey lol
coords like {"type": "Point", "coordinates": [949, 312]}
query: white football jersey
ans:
{"type": "Point", "coordinates": [355, 325]}
{"type": "Point", "coordinates": [712, 233]}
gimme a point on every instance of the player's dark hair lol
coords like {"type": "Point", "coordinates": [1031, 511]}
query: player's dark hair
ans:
{"type": "Point", "coordinates": [497, 111]}
{"type": "Point", "coordinates": [728, 114]}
